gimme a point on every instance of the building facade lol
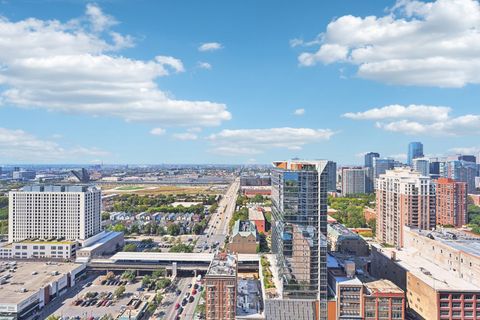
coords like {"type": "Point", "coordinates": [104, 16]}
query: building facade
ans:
{"type": "Point", "coordinates": [415, 150]}
{"type": "Point", "coordinates": [244, 237]}
{"type": "Point", "coordinates": [54, 212]}
{"type": "Point", "coordinates": [451, 202]}
{"type": "Point", "coordinates": [383, 300]}
{"type": "Point", "coordinates": [299, 218]}
{"type": "Point", "coordinates": [464, 171]}
{"type": "Point", "coordinates": [221, 287]}
{"type": "Point", "coordinates": [404, 197]}
{"type": "Point", "coordinates": [354, 181]}
{"type": "Point", "coordinates": [422, 165]}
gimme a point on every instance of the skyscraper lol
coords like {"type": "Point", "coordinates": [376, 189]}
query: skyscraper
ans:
{"type": "Point", "coordinates": [415, 150]}
{"type": "Point", "coordinates": [468, 158]}
{"type": "Point", "coordinates": [460, 170]}
{"type": "Point", "coordinates": [354, 180]}
{"type": "Point", "coordinates": [422, 165]}
{"type": "Point", "coordinates": [451, 202]}
{"type": "Point", "coordinates": [332, 176]}
{"type": "Point", "coordinates": [54, 212]}
{"type": "Point", "coordinates": [369, 159]}
{"type": "Point", "coordinates": [299, 214]}
{"type": "Point", "coordinates": [381, 165]}
{"type": "Point", "coordinates": [404, 197]}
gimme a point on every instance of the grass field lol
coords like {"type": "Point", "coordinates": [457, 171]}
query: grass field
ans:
{"type": "Point", "coordinates": [162, 189]}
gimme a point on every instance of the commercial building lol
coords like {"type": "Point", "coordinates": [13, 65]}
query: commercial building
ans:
{"type": "Point", "coordinates": [341, 239]}
{"type": "Point", "coordinates": [370, 178]}
{"type": "Point", "coordinates": [221, 287]}
{"type": "Point", "coordinates": [422, 165]}
{"type": "Point", "coordinates": [256, 216]}
{"type": "Point", "coordinates": [415, 150]}
{"type": "Point", "coordinates": [24, 175]}
{"type": "Point", "coordinates": [255, 181]}
{"type": "Point", "coordinates": [54, 212]}
{"type": "Point", "coordinates": [432, 292]}
{"type": "Point", "coordinates": [331, 176]}
{"type": "Point", "coordinates": [28, 249]}
{"type": "Point", "coordinates": [244, 237]}
{"type": "Point", "coordinates": [404, 197]}
{"type": "Point", "coordinates": [299, 218]}
{"type": "Point", "coordinates": [369, 159]}
{"type": "Point", "coordinates": [381, 165]}
{"type": "Point", "coordinates": [354, 181]}
{"type": "Point", "coordinates": [383, 300]}
{"type": "Point", "coordinates": [26, 287]}
{"type": "Point", "coordinates": [451, 202]}
{"type": "Point", "coordinates": [468, 158]}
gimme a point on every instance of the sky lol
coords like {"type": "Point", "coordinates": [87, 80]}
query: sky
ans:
{"type": "Point", "coordinates": [152, 82]}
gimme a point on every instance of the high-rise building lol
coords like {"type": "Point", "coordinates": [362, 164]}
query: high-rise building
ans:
{"type": "Point", "coordinates": [354, 180]}
{"type": "Point", "coordinates": [381, 165]}
{"type": "Point", "coordinates": [299, 214]}
{"type": "Point", "coordinates": [415, 150]}
{"type": "Point", "coordinates": [468, 158]}
{"type": "Point", "coordinates": [54, 212]}
{"type": "Point", "coordinates": [434, 169]}
{"type": "Point", "coordinates": [422, 165]}
{"type": "Point", "coordinates": [369, 159]}
{"type": "Point", "coordinates": [332, 176]}
{"type": "Point", "coordinates": [221, 287]}
{"type": "Point", "coordinates": [460, 170]}
{"type": "Point", "coordinates": [404, 197]}
{"type": "Point", "coordinates": [370, 178]}
{"type": "Point", "coordinates": [451, 202]}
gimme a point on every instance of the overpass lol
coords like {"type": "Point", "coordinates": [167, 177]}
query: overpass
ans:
{"type": "Point", "coordinates": [149, 261]}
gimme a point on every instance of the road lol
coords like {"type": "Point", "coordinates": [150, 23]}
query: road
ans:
{"type": "Point", "coordinates": [172, 299]}
{"type": "Point", "coordinates": [217, 228]}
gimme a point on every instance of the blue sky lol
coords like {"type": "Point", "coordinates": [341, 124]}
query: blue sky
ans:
{"type": "Point", "coordinates": [129, 82]}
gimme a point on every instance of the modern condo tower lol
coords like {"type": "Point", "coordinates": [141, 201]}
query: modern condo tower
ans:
{"type": "Point", "coordinates": [299, 228]}
{"type": "Point", "coordinates": [415, 150]}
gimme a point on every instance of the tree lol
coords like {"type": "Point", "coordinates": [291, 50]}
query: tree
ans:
{"type": "Point", "coordinates": [173, 229]}
{"type": "Point", "coordinates": [128, 275]}
{"type": "Point", "coordinates": [146, 280]}
{"type": "Point", "coordinates": [163, 283]}
{"type": "Point", "coordinates": [130, 247]}
{"type": "Point", "coordinates": [152, 306]}
{"type": "Point", "coordinates": [159, 297]}
{"type": "Point", "coordinates": [105, 216]}
{"type": "Point", "coordinates": [53, 317]}
{"type": "Point", "coordinates": [119, 291]}
{"type": "Point", "coordinates": [197, 228]}
{"type": "Point", "coordinates": [180, 247]}
{"type": "Point", "coordinates": [119, 227]}
{"type": "Point", "coordinates": [158, 273]}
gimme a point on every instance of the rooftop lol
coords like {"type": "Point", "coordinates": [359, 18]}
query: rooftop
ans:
{"type": "Point", "coordinates": [339, 229]}
{"type": "Point", "coordinates": [430, 273]}
{"type": "Point", "coordinates": [223, 264]}
{"type": "Point", "coordinates": [28, 278]}
{"type": "Point", "coordinates": [244, 228]}
{"type": "Point", "coordinates": [382, 286]}
{"type": "Point", "coordinates": [255, 214]}
{"type": "Point", "coordinates": [59, 188]}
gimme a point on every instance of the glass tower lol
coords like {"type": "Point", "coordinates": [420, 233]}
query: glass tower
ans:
{"type": "Point", "coordinates": [299, 228]}
{"type": "Point", "coordinates": [415, 150]}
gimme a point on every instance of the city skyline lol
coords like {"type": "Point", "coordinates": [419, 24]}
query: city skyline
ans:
{"type": "Point", "coordinates": [254, 82]}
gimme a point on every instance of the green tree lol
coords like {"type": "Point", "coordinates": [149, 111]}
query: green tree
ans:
{"type": "Point", "coordinates": [163, 283]}
{"type": "Point", "coordinates": [173, 229]}
{"type": "Point", "coordinates": [158, 273]}
{"type": "Point", "coordinates": [53, 317]}
{"type": "Point", "coordinates": [159, 297]}
{"type": "Point", "coordinates": [119, 292]}
{"type": "Point", "coordinates": [130, 247]}
{"type": "Point", "coordinates": [128, 275]}
{"type": "Point", "coordinates": [105, 216]}
{"type": "Point", "coordinates": [181, 247]}
{"type": "Point", "coordinates": [146, 280]}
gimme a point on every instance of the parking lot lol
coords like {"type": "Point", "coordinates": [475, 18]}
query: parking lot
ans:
{"type": "Point", "coordinates": [98, 299]}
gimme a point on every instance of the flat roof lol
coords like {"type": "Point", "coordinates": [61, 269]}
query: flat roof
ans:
{"type": "Point", "coordinates": [430, 273]}
{"type": "Point", "coordinates": [110, 235]}
{"type": "Point", "coordinates": [255, 214]}
{"type": "Point", "coordinates": [22, 278]}
{"type": "Point", "coordinates": [382, 286]}
{"type": "Point", "coordinates": [457, 239]}
{"type": "Point", "coordinates": [176, 256]}
{"type": "Point", "coordinates": [223, 264]}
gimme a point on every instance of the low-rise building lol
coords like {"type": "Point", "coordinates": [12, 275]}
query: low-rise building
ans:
{"type": "Point", "coordinates": [221, 287]}
{"type": "Point", "coordinates": [341, 239]}
{"type": "Point", "coordinates": [383, 300]}
{"type": "Point", "coordinates": [256, 216]}
{"type": "Point", "coordinates": [28, 249]}
{"type": "Point", "coordinates": [244, 237]}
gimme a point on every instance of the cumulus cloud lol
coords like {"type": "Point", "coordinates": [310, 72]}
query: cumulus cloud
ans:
{"type": "Point", "coordinates": [210, 46]}
{"type": "Point", "coordinates": [19, 145]}
{"type": "Point", "coordinates": [68, 67]}
{"type": "Point", "coordinates": [256, 141]}
{"type": "Point", "coordinates": [299, 112]}
{"type": "Point", "coordinates": [185, 136]}
{"type": "Point", "coordinates": [416, 43]}
{"type": "Point", "coordinates": [158, 131]}
{"type": "Point", "coordinates": [420, 119]}
{"type": "Point", "coordinates": [204, 65]}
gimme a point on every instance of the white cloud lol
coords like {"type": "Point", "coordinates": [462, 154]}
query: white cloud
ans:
{"type": "Point", "coordinates": [299, 112]}
{"type": "Point", "coordinates": [210, 46]}
{"type": "Point", "coordinates": [185, 136]}
{"type": "Point", "coordinates": [204, 65]}
{"type": "Point", "coordinates": [399, 156]}
{"type": "Point", "coordinates": [465, 150]}
{"type": "Point", "coordinates": [396, 111]}
{"type": "Point", "coordinates": [64, 67]}
{"type": "Point", "coordinates": [18, 145]}
{"type": "Point", "coordinates": [420, 120]}
{"type": "Point", "coordinates": [158, 131]}
{"type": "Point", "coordinates": [256, 141]}
{"type": "Point", "coordinates": [416, 43]}
{"type": "Point", "coordinates": [98, 19]}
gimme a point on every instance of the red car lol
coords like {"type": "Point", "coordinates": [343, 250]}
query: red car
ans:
{"type": "Point", "coordinates": [177, 306]}
{"type": "Point", "coordinates": [194, 292]}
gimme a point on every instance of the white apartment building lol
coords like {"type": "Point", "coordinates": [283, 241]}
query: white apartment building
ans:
{"type": "Point", "coordinates": [404, 197]}
{"type": "Point", "coordinates": [354, 180]}
{"type": "Point", "coordinates": [66, 212]}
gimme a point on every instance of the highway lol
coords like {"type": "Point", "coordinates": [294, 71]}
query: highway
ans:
{"type": "Point", "coordinates": [217, 228]}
